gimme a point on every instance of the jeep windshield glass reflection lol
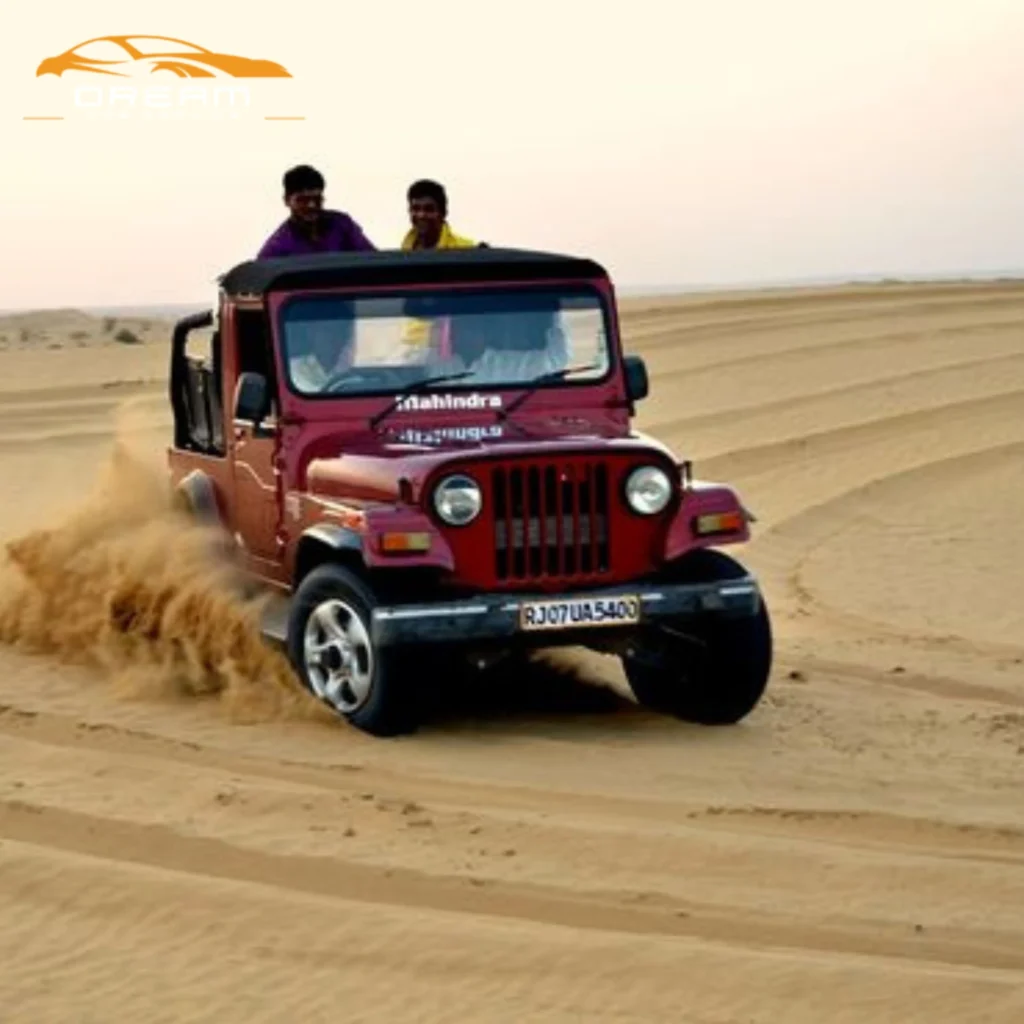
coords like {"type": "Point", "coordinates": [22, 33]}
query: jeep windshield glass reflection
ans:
{"type": "Point", "coordinates": [505, 338]}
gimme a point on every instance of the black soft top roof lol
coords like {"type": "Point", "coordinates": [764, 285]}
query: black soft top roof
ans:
{"type": "Point", "coordinates": [398, 266]}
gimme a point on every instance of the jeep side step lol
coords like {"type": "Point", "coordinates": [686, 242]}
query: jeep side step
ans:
{"type": "Point", "coordinates": [274, 621]}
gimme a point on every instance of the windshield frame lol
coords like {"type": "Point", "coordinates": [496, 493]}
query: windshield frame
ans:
{"type": "Point", "coordinates": [598, 290]}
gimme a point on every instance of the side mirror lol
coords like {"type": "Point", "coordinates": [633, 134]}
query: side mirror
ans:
{"type": "Point", "coordinates": [636, 378]}
{"type": "Point", "coordinates": [252, 398]}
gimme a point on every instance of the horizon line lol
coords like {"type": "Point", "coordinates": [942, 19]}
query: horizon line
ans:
{"type": "Point", "coordinates": [647, 290]}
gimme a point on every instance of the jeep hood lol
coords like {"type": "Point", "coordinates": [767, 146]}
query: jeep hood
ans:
{"type": "Point", "coordinates": [371, 465]}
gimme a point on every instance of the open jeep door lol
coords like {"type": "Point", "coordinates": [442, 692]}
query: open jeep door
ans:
{"type": "Point", "coordinates": [198, 453]}
{"type": "Point", "coordinates": [254, 444]}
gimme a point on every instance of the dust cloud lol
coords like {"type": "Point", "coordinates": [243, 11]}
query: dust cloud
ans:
{"type": "Point", "coordinates": [127, 584]}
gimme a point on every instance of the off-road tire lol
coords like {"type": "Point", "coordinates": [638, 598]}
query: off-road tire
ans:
{"type": "Point", "coordinates": [722, 678]}
{"type": "Point", "coordinates": [391, 706]}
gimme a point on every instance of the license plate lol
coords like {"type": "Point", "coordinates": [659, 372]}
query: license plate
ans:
{"type": "Point", "coordinates": [577, 612]}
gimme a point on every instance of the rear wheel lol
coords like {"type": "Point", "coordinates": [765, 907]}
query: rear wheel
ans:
{"type": "Point", "coordinates": [711, 671]}
{"type": "Point", "coordinates": [331, 648]}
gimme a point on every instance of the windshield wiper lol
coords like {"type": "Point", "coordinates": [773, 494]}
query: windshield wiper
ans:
{"type": "Point", "coordinates": [423, 384]}
{"type": "Point", "coordinates": [544, 378]}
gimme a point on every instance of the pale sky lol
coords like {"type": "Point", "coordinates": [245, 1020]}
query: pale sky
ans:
{"type": "Point", "coordinates": [677, 142]}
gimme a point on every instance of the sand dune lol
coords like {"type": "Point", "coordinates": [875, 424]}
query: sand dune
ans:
{"type": "Point", "coordinates": [75, 328]}
{"type": "Point", "coordinates": [182, 837]}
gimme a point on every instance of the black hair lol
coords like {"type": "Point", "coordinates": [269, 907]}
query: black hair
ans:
{"type": "Point", "coordinates": [427, 189]}
{"type": "Point", "coordinates": [301, 178]}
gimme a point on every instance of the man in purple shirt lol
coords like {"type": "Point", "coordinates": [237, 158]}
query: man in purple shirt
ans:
{"type": "Point", "coordinates": [311, 228]}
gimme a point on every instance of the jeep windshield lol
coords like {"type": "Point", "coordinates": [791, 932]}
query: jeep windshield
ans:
{"type": "Point", "coordinates": [499, 338]}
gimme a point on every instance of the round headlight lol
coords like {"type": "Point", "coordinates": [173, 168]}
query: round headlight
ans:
{"type": "Point", "coordinates": [648, 490]}
{"type": "Point", "coordinates": [458, 500]}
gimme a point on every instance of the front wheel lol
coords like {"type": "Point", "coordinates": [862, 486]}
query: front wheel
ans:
{"type": "Point", "coordinates": [715, 670]}
{"type": "Point", "coordinates": [330, 646]}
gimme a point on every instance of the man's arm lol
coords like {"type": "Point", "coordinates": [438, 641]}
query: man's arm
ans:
{"type": "Point", "coordinates": [358, 239]}
{"type": "Point", "coordinates": [274, 246]}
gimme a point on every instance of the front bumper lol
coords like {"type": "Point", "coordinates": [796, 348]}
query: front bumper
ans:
{"type": "Point", "coordinates": [499, 617]}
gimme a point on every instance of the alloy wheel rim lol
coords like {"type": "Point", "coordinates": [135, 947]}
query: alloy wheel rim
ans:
{"type": "Point", "coordinates": [338, 656]}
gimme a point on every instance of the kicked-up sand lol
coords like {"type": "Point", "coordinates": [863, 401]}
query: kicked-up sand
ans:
{"type": "Point", "coordinates": [185, 837]}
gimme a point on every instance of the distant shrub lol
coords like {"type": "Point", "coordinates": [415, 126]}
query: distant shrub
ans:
{"type": "Point", "coordinates": [127, 337]}
{"type": "Point", "coordinates": [79, 335]}
{"type": "Point", "coordinates": [109, 324]}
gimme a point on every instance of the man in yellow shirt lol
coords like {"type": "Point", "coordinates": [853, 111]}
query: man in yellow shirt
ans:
{"type": "Point", "coordinates": [428, 212]}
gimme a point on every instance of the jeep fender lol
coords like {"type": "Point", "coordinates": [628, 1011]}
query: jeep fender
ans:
{"type": "Point", "coordinates": [702, 498]}
{"type": "Point", "coordinates": [326, 540]}
{"type": "Point", "coordinates": [358, 549]}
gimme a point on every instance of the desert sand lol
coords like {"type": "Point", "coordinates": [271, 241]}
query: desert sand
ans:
{"type": "Point", "coordinates": [182, 839]}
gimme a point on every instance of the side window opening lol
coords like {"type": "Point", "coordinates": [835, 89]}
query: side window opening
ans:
{"type": "Point", "coordinates": [203, 384]}
{"type": "Point", "coordinates": [254, 354]}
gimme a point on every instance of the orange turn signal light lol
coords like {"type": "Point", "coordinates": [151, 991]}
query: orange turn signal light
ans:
{"type": "Point", "coordinates": [403, 542]}
{"type": "Point", "coordinates": [719, 522]}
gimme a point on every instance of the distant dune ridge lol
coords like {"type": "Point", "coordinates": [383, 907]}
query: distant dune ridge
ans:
{"type": "Point", "coordinates": [183, 836]}
{"type": "Point", "coordinates": [75, 328]}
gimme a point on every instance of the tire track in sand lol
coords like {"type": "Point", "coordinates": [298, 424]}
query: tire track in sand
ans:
{"type": "Point", "coordinates": [924, 836]}
{"type": "Point", "coordinates": [155, 846]}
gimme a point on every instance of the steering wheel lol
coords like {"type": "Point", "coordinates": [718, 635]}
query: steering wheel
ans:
{"type": "Point", "coordinates": [341, 377]}
{"type": "Point", "coordinates": [381, 378]}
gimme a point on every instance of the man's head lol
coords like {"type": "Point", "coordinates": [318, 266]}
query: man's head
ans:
{"type": "Point", "coordinates": [304, 192]}
{"type": "Point", "coordinates": [332, 346]}
{"type": "Point", "coordinates": [329, 341]}
{"type": "Point", "coordinates": [472, 334]}
{"type": "Point", "coordinates": [428, 207]}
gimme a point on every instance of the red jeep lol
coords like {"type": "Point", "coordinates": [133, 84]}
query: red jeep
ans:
{"type": "Point", "coordinates": [429, 454]}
